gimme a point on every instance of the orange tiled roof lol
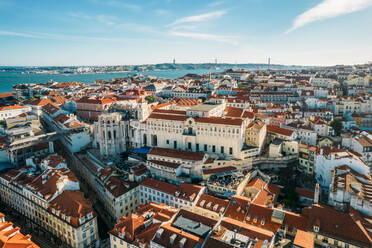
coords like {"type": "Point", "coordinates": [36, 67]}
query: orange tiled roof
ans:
{"type": "Point", "coordinates": [347, 226]}
{"type": "Point", "coordinates": [304, 239]}
{"type": "Point", "coordinates": [73, 204]}
{"type": "Point", "coordinates": [10, 237]}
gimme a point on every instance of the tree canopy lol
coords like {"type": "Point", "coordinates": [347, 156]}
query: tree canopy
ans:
{"type": "Point", "coordinates": [336, 124]}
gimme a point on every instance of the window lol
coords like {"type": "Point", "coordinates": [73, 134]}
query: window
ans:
{"type": "Point", "coordinates": [197, 147]}
{"type": "Point", "coordinates": [231, 151]}
{"type": "Point", "coordinates": [189, 145]}
{"type": "Point", "coordinates": [167, 142]}
{"type": "Point", "coordinates": [175, 144]}
{"type": "Point", "coordinates": [213, 148]}
{"type": "Point", "coordinates": [205, 147]}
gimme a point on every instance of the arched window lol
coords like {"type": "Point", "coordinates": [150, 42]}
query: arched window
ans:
{"type": "Point", "coordinates": [190, 130]}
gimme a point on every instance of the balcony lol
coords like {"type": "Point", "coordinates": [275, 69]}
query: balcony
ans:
{"type": "Point", "coordinates": [188, 133]}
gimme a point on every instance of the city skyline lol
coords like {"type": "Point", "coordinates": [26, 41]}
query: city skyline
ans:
{"type": "Point", "coordinates": [316, 32]}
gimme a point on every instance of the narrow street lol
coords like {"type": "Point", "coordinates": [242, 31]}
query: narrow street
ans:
{"type": "Point", "coordinates": [104, 224]}
{"type": "Point", "coordinates": [38, 236]}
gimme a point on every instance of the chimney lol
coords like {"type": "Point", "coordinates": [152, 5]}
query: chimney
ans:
{"type": "Point", "coordinates": [317, 194]}
{"type": "Point", "coordinates": [51, 147]}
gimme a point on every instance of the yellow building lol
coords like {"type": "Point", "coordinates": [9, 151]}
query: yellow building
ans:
{"type": "Point", "coordinates": [255, 134]}
{"type": "Point", "coordinates": [306, 159]}
{"type": "Point", "coordinates": [52, 201]}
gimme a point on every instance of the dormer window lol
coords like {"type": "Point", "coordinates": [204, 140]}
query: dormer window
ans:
{"type": "Point", "coordinates": [215, 207]}
{"type": "Point", "coordinates": [159, 232]}
{"type": "Point", "coordinates": [316, 229]}
{"type": "Point", "coordinates": [172, 238]}
{"type": "Point", "coordinates": [255, 219]}
{"type": "Point", "coordinates": [82, 220]}
{"type": "Point", "coordinates": [90, 215]}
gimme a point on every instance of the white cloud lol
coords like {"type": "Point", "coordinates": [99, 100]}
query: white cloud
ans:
{"type": "Point", "coordinates": [26, 35]}
{"type": "Point", "coordinates": [79, 15]}
{"type": "Point", "coordinates": [53, 36]}
{"type": "Point", "coordinates": [199, 18]}
{"type": "Point", "coordinates": [161, 12]}
{"type": "Point", "coordinates": [203, 36]}
{"type": "Point", "coordinates": [328, 9]}
{"type": "Point", "coordinates": [115, 3]}
{"type": "Point", "coordinates": [215, 4]}
{"type": "Point", "coordinates": [107, 20]}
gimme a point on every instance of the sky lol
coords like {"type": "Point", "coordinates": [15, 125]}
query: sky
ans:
{"type": "Point", "coordinates": [118, 32]}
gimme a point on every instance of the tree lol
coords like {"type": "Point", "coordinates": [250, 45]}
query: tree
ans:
{"type": "Point", "coordinates": [336, 124]}
{"type": "Point", "coordinates": [150, 99]}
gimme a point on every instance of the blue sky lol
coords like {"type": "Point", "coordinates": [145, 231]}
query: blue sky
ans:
{"type": "Point", "coordinates": [110, 32]}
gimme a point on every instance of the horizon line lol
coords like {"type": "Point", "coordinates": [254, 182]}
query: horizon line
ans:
{"type": "Point", "coordinates": [184, 63]}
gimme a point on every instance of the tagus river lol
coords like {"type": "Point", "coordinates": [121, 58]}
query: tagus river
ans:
{"type": "Point", "coordinates": [8, 79]}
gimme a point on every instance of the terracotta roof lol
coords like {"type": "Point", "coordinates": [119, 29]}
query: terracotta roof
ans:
{"type": "Point", "coordinates": [347, 226]}
{"type": "Point", "coordinates": [283, 131]}
{"type": "Point", "coordinates": [218, 170]}
{"type": "Point", "coordinates": [186, 101]}
{"type": "Point", "coordinates": [238, 208]}
{"type": "Point", "coordinates": [165, 152]}
{"type": "Point", "coordinates": [73, 204]}
{"type": "Point", "coordinates": [304, 239]}
{"type": "Point", "coordinates": [305, 193]}
{"type": "Point", "coordinates": [89, 100]}
{"type": "Point", "coordinates": [291, 219]}
{"type": "Point", "coordinates": [233, 112]}
{"type": "Point", "coordinates": [219, 120]}
{"type": "Point", "coordinates": [165, 163]}
{"type": "Point", "coordinates": [39, 102]}
{"type": "Point", "coordinates": [51, 109]}
{"type": "Point", "coordinates": [184, 191]}
{"type": "Point", "coordinates": [12, 107]}
{"type": "Point", "coordinates": [191, 241]}
{"type": "Point", "coordinates": [248, 230]}
{"type": "Point", "coordinates": [162, 105]}
{"type": "Point", "coordinates": [212, 203]}
{"type": "Point", "coordinates": [168, 117]}
{"type": "Point", "coordinates": [55, 160]}
{"type": "Point", "coordinates": [6, 95]}
{"type": "Point", "coordinates": [364, 141]}
{"type": "Point", "coordinates": [196, 217]}
{"type": "Point", "coordinates": [11, 237]}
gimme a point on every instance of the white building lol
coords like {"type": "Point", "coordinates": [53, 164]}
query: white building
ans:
{"type": "Point", "coordinates": [171, 164]}
{"type": "Point", "coordinates": [110, 134]}
{"type": "Point", "coordinates": [74, 135]}
{"type": "Point", "coordinates": [12, 111]}
{"type": "Point", "coordinates": [361, 143]}
{"type": "Point", "coordinates": [349, 188]}
{"type": "Point", "coordinates": [321, 82]}
{"type": "Point", "coordinates": [327, 159]}
{"type": "Point", "coordinates": [215, 135]}
{"type": "Point", "coordinates": [52, 200]}
{"type": "Point", "coordinates": [185, 195]}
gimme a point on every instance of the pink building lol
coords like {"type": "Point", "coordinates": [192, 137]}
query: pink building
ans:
{"type": "Point", "coordinates": [90, 108]}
